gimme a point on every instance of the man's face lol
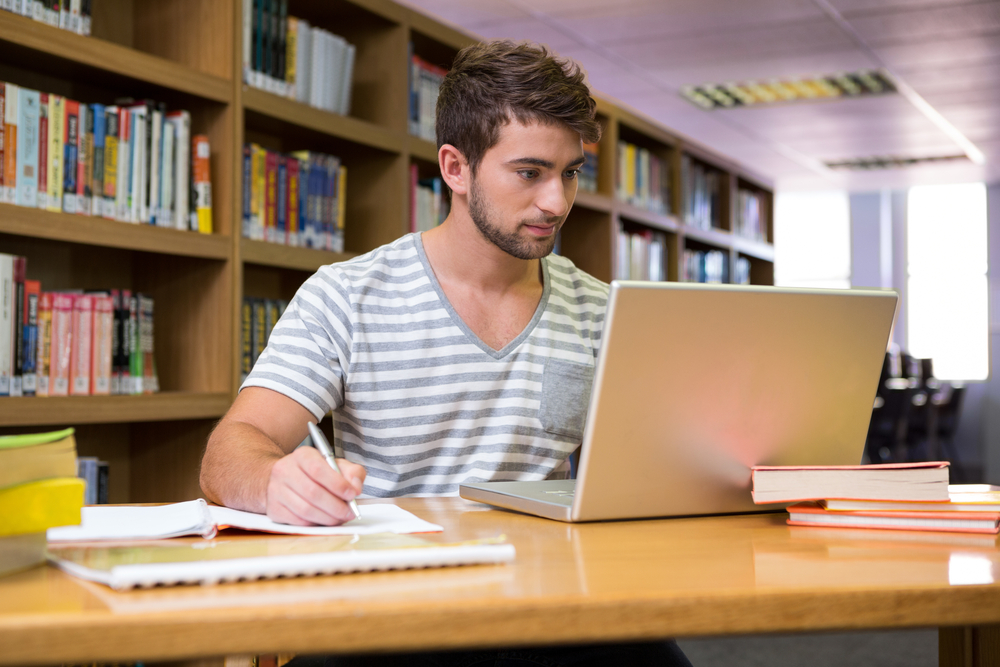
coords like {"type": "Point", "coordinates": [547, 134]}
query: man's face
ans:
{"type": "Point", "coordinates": [525, 186]}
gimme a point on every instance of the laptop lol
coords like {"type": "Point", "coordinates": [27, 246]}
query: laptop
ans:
{"type": "Point", "coordinates": [697, 383]}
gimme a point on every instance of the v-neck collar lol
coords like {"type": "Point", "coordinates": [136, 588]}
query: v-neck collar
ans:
{"type": "Point", "coordinates": [460, 323]}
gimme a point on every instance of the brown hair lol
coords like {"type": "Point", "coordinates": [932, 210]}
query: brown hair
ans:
{"type": "Point", "coordinates": [492, 83]}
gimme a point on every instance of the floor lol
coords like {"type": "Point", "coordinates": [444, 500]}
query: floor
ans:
{"type": "Point", "coordinates": [903, 648]}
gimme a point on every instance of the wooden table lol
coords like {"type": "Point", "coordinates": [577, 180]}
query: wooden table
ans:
{"type": "Point", "coordinates": [569, 583]}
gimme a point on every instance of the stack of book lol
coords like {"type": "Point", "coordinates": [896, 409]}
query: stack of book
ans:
{"type": "Point", "coordinates": [707, 266]}
{"type": "Point", "coordinates": [902, 496]}
{"type": "Point", "coordinates": [642, 179]}
{"type": "Point", "coordinates": [701, 189]}
{"type": "Point", "coordinates": [296, 199]}
{"type": "Point", "coordinates": [429, 201]}
{"type": "Point", "coordinates": [132, 161]}
{"type": "Point", "coordinates": [72, 343]}
{"type": "Point", "coordinates": [751, 215]}
{"type": "Point", "coordinates": [258, 317]}
{"type": "Point", "coordinates": [286, 56]}
{"type": "Point", "coordinates": [641, 255]}
{"type": "Point", "coordinates": [425, 82]}
{"type": "Point", "coordinates": [39, 490]}
{"type": "Point", "coordinates": [72, 15]}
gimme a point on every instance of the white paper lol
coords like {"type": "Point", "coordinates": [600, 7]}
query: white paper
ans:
{"type": "Point", "coordinates": [196, 517]}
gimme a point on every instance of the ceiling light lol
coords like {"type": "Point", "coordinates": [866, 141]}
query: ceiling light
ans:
{"type": "Point", "coordinates": [842, 85]}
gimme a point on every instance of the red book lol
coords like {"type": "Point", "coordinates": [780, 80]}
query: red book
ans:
{"type": "Point", "coordinates": [61, 346]}
{"type": "Point", "coordinates": [44, 347]}
{"type": "Point", "coordinates": [812, 514]}
{"type": "Point", "coordinates": [79, 371]}
{"type": "Point", "coordinates": [101, 345]}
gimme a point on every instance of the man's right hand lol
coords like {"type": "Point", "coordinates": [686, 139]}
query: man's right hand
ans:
{"type": "Point", "coordinates": [304, 490]}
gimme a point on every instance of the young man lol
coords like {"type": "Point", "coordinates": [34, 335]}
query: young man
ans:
{"type": "Point", "coordinates": [463, 353]}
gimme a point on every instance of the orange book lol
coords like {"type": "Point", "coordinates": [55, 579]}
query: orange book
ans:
{"type": "Point", "coordinates": [812, 514]}
{"type": "Point", "coordinates": [271, 197]}
{"type": "Point", "coordinates": [79, 362]}
{"type": "Point", "coordinates": [101, 337]}
{"type": "Point", "coordinates": [9, 120]}
{"type": "Point", "coordinates": [201, 150]}
{"type": "Point", "coordinates": [44, 348]}
{"type": "Point", "coordinates": [61, 345]}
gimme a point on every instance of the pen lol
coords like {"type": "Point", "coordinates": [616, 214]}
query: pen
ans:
{"type": "Point", "coordinates": [319, 442]}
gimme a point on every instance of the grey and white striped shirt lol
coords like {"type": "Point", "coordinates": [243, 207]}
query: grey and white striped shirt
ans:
{"type": "Point", "coordinates": [417, 397]}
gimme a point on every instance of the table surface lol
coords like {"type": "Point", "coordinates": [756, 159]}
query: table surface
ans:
{"type": "Point", "coordinates": [678, 577]}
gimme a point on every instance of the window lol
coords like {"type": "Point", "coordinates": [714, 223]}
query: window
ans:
{"type": "Point", "coordinates": [947, 292]}
{"type": "Point", "coordinates": [812, 239]}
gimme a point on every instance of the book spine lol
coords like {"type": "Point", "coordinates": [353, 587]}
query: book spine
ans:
{"type": "Point", "coordinates": [125, 342]}
{"type": "Point", "coordinates": [85, 161]}
{"type": "Point", "coordinates": [57, 161]}
{"type": "Point", "coordinates": [247, 190]}
{"type": "Point", "coordinates": [32, 292]}
{"type": "Point", "coordinates": [338, 244]}
{"type": "Point", "coordinates": [101, 345]}
{"type": "Point", "coordinates": [70, 133]}
{"type": "Point", "coordinates": [124, 173]}
{"type": "Point", "coordinates": [202, 183]}
{"type": "Point", "coordinates": [281, 202]}
{"type": "Point", "coordinates": [43, 151]}
{"type": "Point", "coordinates": [80, 357]}
{"type": "Point", "coordinates": [134, 350]}
{"type": "Point", "coordinates": [44, 350]}
{"type": "Point", "coordinates": [270, 196]}
{"type": "Point", "coordinates": [7, 301]}
{"type": "Point", "coordinates": [3, 134]}
{"type": "Point", "coordinates": [146, 342]}
{"type": "Point", "coordinates": [20, 271]}
{"type": "Point", "coordinates": [167, 174]}
{"type": "Point", "coordinates": [259, 332]}
{"type": "Point", "coordinates": [138, 203]}
{"type": "Point", "coordinates": [28, 140]}
{"type": "Point", "coordinates": [292, 220]}
{"type": "Point", "coordinates": [182, 166]}
{"type": "Point", "coordinates": [102, 482]}
{"type": "Point", "coordinates": [260, 193]}
{"type": "Point", "coordinates": [62, 341]}
{"type": "Point", "coordinates": [109, 180]}
{"type": "Point", "coordinates": [246, 338]}
{"type": "Point", "coordinates": [155, 162]}
{"type": "Point", "coordinates": [8, 193]}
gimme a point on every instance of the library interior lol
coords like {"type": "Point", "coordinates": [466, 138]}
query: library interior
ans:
{"type": "Point", "coordinates": [173, 171]}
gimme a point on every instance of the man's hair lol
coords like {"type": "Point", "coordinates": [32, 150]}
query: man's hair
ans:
{"type": "Point", "coordinates": [493, 83]}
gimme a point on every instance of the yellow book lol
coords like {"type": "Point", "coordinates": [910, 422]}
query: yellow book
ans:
{"type": "Point", "coordinates": [57, 116]}
{"type": "Point", "coordinates": [341, 196]}
{"type": "Point", "coordinates": [629, 172]}
{"type": "Point", "coordinates": [38, 506]}
{"type": "Point", "coordinates": [28, 458]}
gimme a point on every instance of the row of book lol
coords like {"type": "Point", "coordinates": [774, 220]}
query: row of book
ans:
{"type": "Point", "coordinates": [39, 489]}
{"type": "Point", "coordinates": [258, 317]}
{"type": "Point", "coordinates": [587, 177]}
{"type": "Point", "coordinates": [702, 186]}
{"type": "Point", "coordinates": [894, 496]}
{"type": "Point", "coordinates": [641, 255]}
{"type": "Point", "coordinates": [741, 271]}
{"type": "Point", "coordinates": [132, 161]}
{"type": "Point", "coordinates": [429, 201]}
{"type": "Point", "coordinates": [72, 343]}
{"type": "Point", "coordinates": [295, 199]}
{"type": "Point", "coordinates": [705, 266]}
{"type": "Point", "coordinates": [286, 56]}
{"type": "Point", "coordinates": [751, 215]}
{"type": "Point", "coordinates": [642, 179]}
{"type": "Point", "coordinates": [425, 82]}
{"type": "Point", "coordinates": [72, 15]}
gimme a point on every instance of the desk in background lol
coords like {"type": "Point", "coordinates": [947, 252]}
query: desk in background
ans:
{"type": "Point", "coordinates": [570, 583]}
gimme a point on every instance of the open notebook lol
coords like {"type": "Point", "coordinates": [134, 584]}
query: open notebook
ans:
{"type": "Point", "coordinates": [197, 517]}
{"type": "Point", "coordinates": [188, 562]}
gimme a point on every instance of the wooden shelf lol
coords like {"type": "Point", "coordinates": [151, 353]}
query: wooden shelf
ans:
{"type": "Point", "coordinates": [717, 237]}
{"type": "Point", "coordinates": [72, 54]}
{"type": "Point", "coordinates": [666, 223]}
{"type": "Point", "coordinates": [753, 248]}
{"type": "Point", "coordinates": [72, 410]}
{"type": "Point", "coordinates": [594, 201]}
{"type": "Point", "coordinates": [304, 116]}
{"type": "Point", "coordinates": [88, 230]}
{"type": "Point", "coordinates": [288, 257]}
{"type": "Point", "coordinates": [423, 149]}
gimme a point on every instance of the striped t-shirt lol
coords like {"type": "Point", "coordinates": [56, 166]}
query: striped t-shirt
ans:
{"type": "Point", "coordinates": [417, 397]}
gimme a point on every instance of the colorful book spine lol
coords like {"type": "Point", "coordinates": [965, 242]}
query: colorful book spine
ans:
{"type": "Point", "coordinates": [123, 181]}
{"type": "Point", "coordinates": [8, 193]}
{"type": "Point", "coordinates": [110, 179]}
{"type": "Point", "coordinates": [202, 183]}
{"type": "Point", "coordinates": [292, 212]}
{"type": "Point", "coordinates": [165, 217]}
{"type": "Point", "coordinates": [81, 346]}
{"type": "Point", "coordinates": [43, 151]}
{"type": "Point", "coordinates": [84, 159]}
{"type": "Point", "coordinates": [281, 202]}
{"type": "Point", "coordinates": [20, 273]}
{"type": "Point", "coordinates": [61, 347]}
{"type": "Point", "coordinates": [270, 196]}
{"type": "Point", "coordinates": [32, 293]}
{"type": "Point", "coordinates": [71, 139]}
{"type": "Point", "coordinates": [7, 301]}
{"type": "Point", "coordinates": [101, 345]}
{"type": "Point", "coordinates": [27, 132]}
{"type": "Point", "coordinates": [181, 120]}
{"type": "Point", "coordinates": [42, 365]}
{"type": "Point", "coordinates": [57, 161]}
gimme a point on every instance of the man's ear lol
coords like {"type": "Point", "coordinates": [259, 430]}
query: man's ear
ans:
{"type": "Point", "coordinates": [454, 169]}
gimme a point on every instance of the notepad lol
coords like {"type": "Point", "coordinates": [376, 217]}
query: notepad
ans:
{"type": "Point", "coordinates": [197, 517]}
{"type": "Point", "coordinates": [223, 560]}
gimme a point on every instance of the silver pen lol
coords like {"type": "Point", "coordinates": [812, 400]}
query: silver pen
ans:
{"type": "Point", "coordinates": [320, 443]}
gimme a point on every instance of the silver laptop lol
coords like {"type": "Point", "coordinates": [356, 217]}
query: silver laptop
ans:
{"type": "Point", "coordinates": [697, 383]}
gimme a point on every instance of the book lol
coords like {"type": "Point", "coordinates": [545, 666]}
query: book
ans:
{"type": "Point", "coordinates": [181, 120]}
{"type": "Point", "coordinates": [197, 517]}
{"type": "Point", "coordinates": [20, 272]}
{"type": "Point", "coordinates": [28, 143]}
{"type": "Point", "coordinates": [20, 552]}
{"type": "Point", "coordinates": [8, 302]}
{"type": "Point", "coordinates": [10, 122]}
{"type": "Point", "coordinates": [80, 345]}
{"type": "Point", "coordinates": [171, 563]}
{"type": "Point", "coordinates": [814, 514]}
{"type": "Point", "coordinates": [71, 144]}
{"type": "Point", "coordinates": [42, 200]}
{"type": "Point", "coordinates": [56, 158]}
{"type": "Point", "coordinates": [101, 345]}
{"type": "Point", "coordinates": [35, 456]}
{"type": "Point", "coordinates": [108, 207]}
{"type": "Point", "coordinates": [32, 293]}
{"type": "Point", "coordinates": [62, 344]}
{"type": "Point", "coordinates": [961, 498]}
{"type": "Point", "coordinates": [44, 349]}
{"type": "Point", "coordinates": [889, 481]}
{"type": "Point", "coordinates": [40, 505]}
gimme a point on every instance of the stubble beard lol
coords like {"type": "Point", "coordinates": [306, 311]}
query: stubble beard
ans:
{"type": "Point", "coordinates": [484, 216]}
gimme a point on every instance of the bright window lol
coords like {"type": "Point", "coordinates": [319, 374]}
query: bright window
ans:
{"type": "Point", "coordinates": [947, 295]}
{"type": "Point", "coordinates": [812, 239]}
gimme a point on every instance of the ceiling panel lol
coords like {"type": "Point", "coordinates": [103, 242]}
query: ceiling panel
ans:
{"type": "Point", "coordinates": [934, 23]}
{"type": "Point", "coordinates": [985, 74]}
{"type": "Point", "coordinates": [854, 7]}
{"type": "Point", "coordinates": [608, 76]}
{"type": "Point", "coordinates": [933, 53]}
{"type": "Point", "coordinates": [469, 14]}
{"type": "Point", "coordinates": [530, 29]}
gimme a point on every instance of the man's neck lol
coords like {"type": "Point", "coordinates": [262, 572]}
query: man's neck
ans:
{"type": "Point", "coordinates": [460, 254]}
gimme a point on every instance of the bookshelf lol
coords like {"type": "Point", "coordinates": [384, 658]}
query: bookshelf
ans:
{"type": "Point", "coordinates": [188, 54]}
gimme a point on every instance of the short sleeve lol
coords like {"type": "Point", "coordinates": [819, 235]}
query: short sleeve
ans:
{"type": "Point", "coordinates": [309, 349]}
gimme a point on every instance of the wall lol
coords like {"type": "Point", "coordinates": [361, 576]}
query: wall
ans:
{"type": "Point", "coordinates": [878, 259]}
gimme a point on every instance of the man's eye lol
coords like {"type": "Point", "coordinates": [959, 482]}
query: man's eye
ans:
{"type": "Point", "coordinates": [528, 173]}
{"type": "Point", "coordinates": [572, 173]}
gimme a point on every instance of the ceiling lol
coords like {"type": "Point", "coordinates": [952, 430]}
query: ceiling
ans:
{"type": "Point", "coordinates": [945, 55]}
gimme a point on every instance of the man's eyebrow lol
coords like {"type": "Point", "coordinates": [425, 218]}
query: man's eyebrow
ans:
{"type": "Point", "coordinates": [546, 164]}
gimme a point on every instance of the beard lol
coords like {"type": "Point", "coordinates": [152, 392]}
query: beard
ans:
{"type": "Point", "coordinates": [485, 216]}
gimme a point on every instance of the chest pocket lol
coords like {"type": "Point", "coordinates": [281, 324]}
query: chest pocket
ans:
{"type": "Point", "coordinates": [565, 397]}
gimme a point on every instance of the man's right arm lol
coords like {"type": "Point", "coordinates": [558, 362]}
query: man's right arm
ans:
{"type": "Point", "coordinates": [251, 463]}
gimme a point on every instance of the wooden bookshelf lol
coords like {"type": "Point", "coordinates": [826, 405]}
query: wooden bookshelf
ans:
{"type": "Point", "coordinates": [187, 53]}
